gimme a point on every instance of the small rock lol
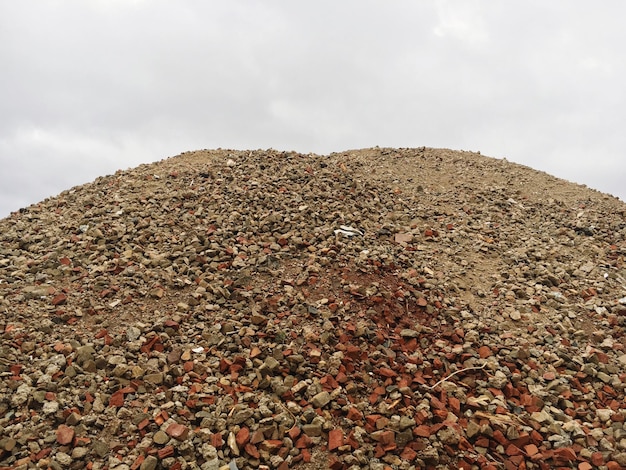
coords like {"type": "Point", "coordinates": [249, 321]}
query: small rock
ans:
{"type": "Point", "coordinates": [271, 363]}
{"type": "Point", "coordinates": [515, 315]}
{"type": "Point", "coordinates": [150, 463]}
{"type": "Point", "coordinates": [604, 414]}
{"type": "Point", "coordinates": [449, 435]}
{"type": "Point", "coordinates": [384, 437]}
{"type": "Point", "coordinates": [177, 431]}
{"type": "Point", "coordinates": [232, 444]}
{"type": "Point", "coordinates": [101, 448]}
{"type": "Point", "coordinates": [321, 400]}
{"type": "Point", "coordinates": [160, 438]}
{"type": "Point", "coordinates": [409, 333]}
{"type": "Point", "coordinates": [65, 435]}
{"type": "Point", "coordinates": [155, 378]}
{"type": "Point", "coordinates": [312, 429]}
{"type": "Point", "coordinates": [473, 429]}
{"type": "Point", "coordinates": [64, 459]}
{"type": "Point", "coordinates": [241, 413]}
{"type": "Point", "coordinates": [541, 417]}
{"type": "Point", "coordinates": [132, 334]}
{"type": "Point", "coordinates": [50, 407]}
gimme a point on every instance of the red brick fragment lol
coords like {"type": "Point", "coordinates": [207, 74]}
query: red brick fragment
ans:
{"type": "Point", "coordinates": [252, 451]}
{"type": "Point", "coordinates": [536, 437]}
{"type": "Point", "coordinates": [137, 463]}
{"type": "Point", "coordinates": [382, 423]}
{"type": "Point", "coordinates": [565, 453]}
{"type": "Point", "coordinates": [584, 466]}
{"type": "Point", "coordinates": [354, 414]}
{"type": "Point", "coordinates": [271, 445]}
{"type": "Point", "coordinates": [422, 431]}
{"type": "Point", "coordinates": [177, 431]}
{"type": "Point", "coordinates": [242, 436]}
{"type": "Point", "coordinates": [165, 452]}
{"type": "Point", "coordinates": [455, 405]}
{"type": "Point", "coordinates": [482, 442]}
{"type": "Point", "coordinates": [304, 442]}
{"type": "Point", "coordinates": [341, 378]}
{"type": "Point", "coordinates": [351, 441]}
{"type": "Point", "coordinates": [436, 403]}
{"type": "Point", "coordinates": [42, 454]}
{"type": "Point", "coordinates": [172, 324]}
{"type": "Point", "coordinates": [294, 432]}
{"type": "Point", "coordinates": [385, 438]}
{"type": "Point", "coordinates": [531, 449]}
{"type": "Point", "coordinates": [597, 459]}
{"type": "Point", "coordinates": [499, 437]}
{"type": "Point", "coordinates": [385, 372]}
{"type": "Point", "coordinates": [335, 439]}
{"type": "Point", "coordinates": [334, 463]}
{"type": "Point", "coordinates": [306, 455]}
{"type": "Point", "coordinates": [484, 352]}
{"type": "Point", "coordinates": [59, 299]}
{"type": "Point", "coordinates": [613, 465]}
{"type": "Point", "coordinates": [371, 419]}
{"type": "Point", "coordinates": [257, 437]}
{"type": "Point", "coordinates": [408, 454]}
{"type": "Point", "coordinates": [512, 450]}
{"type": "Point", "coordinates": [217, 440]}
{"type": "Point", "coordinates": [515, 462]}
{"type": "Point", "coordinates": [65, 435]}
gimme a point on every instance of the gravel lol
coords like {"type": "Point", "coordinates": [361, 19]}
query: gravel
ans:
{"type": "Point", "coordinates": [380, 308]}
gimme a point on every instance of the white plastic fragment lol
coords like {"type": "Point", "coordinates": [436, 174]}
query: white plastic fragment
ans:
{"type": "Point", "coordinates": [348, 231]}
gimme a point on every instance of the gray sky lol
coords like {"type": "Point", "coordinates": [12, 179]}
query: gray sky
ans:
{"type": "Point", "coordinates": [92, 86]}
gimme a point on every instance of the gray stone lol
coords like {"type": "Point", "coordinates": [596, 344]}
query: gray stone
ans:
{"type": "Point", "coordinates": [150, 463]}
{"type": "Point", "coordinates": [155, 378]}
{"type": "Point", "coordinates": [101, 448]}
{"type": "Point", "coordinates": [160, 437]}
{"type": "Point", "coordinates": [132, 334]}
{"type": "Point", "coordinates": [63, 459]}
{"type": "Point", "coordinates": [321, 400]}
{"type": "Point", "coordinates": [449, 436]}
{"type": "Point", "coordinates": [312, 430]}
{"type": "Point", "coordinates": [241, 414]}
{"type": "Point", "coordinates": [473, 429]}
{"type": "Point", "coordinates": [604, 414]}
{"type": "Point", "coordinates": [79, 452]}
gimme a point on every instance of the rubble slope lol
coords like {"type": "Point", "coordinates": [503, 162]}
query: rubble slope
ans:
{"type": "Point", "coordinates": [377, 308]}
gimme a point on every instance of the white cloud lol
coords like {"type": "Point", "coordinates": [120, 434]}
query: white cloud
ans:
{"type": "Point", "coordinates": [462, 21]}
{"type": "Point", "coordinates": [89, 87]}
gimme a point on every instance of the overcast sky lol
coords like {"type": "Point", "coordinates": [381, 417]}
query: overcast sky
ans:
{"type": "Point", "coordinates": [88, 87]}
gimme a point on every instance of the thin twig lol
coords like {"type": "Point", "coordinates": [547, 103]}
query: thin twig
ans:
{"type": "Point", "coordinates": [282, 405]}
{"type": "Point", "coordinates": [455, 373]}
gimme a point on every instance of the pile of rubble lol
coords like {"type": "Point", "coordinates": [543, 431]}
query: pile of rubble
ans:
{"type": "Point", "coordinates": [381, 309]}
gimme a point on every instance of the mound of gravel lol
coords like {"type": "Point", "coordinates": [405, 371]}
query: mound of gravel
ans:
{"type": "Point", "coordinates": [371, 309]}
